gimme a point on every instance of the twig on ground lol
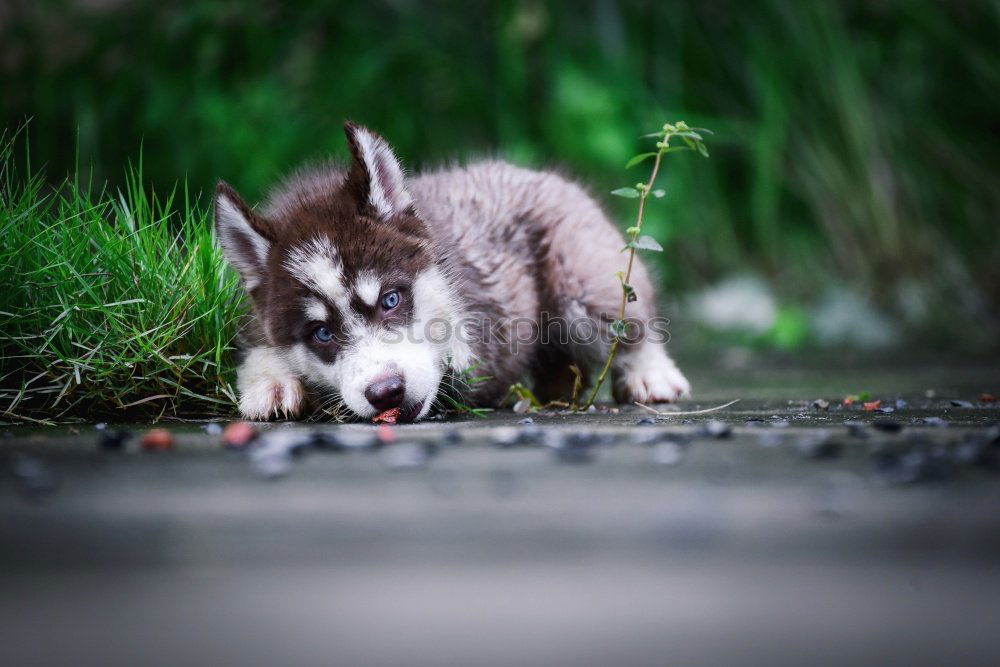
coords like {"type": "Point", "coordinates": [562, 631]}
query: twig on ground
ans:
{"type": "Point", "coordinates": [687, 412]}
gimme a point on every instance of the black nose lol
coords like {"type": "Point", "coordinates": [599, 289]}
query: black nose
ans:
{"type": "Point", "coordinates": [386, 392]}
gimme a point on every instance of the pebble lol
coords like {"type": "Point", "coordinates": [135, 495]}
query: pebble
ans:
{"type": "Point", "coordinates": [914, 466]}
{"type": "Point", "coordinates": [326, 441]}
{"type": "Point", "coordinates": [212, 428]}
{"type": "Point", "coordinates": [819, 446]}
{"type": "Point", "coordinates": [577, 447]}
{"type": "Point", "coordinates": [821, 404]}
{"type": "Point", "coordinates": [523, 406]}
{"type": "Point", "coordinates": [157, 440]}
{"type": "Point", "coordinates": [452, 437]}
{"type": "Point", "coordinates": [900, 404]}
{"type": "Point", "coordinates": [271, 455]}
{"type": "Point", "coordinates": [856, 429]}
{"type": "Point", "coordinates": [887, 425]}
{"type": "Point", "coordinates": [667, 453]}
{"type": "Point", "coordinates": [962, 404]}
{"type": "Point", "coordinates": [716, 429]}
{"type": "Point", "coordinates": [34, 479]}
{"type": "Point", "coordinates": [113, 440]}
{"type": "Point", "coordinates": [407, 455]}
{"type": "Point", "coordinates": [646, 421]}
{"type": "Point", "coordinates": [237, 435]}
{"type": "Point", "coordinates": [526, 421]}
{"type": "Point", "coordinates": [931, 421]}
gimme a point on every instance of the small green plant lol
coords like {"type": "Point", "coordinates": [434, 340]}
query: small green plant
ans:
{"type": "Point", "coordinates": [692, 140]}
{"type": "Point", "coordinates": [450, 397]}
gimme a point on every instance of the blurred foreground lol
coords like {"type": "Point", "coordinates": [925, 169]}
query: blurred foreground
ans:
{"type": "Point", "coordinates": [803, 536]}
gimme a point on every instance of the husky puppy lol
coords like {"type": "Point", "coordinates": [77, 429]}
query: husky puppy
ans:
{"type": "Point", "coordinates": [370, 288]}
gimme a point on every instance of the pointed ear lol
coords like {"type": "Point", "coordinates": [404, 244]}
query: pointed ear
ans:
{"type": "Point", "coordinates": [375, 178]}
{"type": "Point", "coordinates": [246, 238]}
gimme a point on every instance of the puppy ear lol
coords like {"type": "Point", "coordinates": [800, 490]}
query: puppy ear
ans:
{"type": "Point", "coordinates": [246, 238]}
{"type": "Point", "coordinates": [376, 179]}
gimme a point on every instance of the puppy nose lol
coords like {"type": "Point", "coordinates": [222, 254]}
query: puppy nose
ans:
{"type": "Point", "coordinates": [386, 392]}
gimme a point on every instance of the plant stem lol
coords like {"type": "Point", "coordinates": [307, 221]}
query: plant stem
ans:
{"type": "Point", "coordinates": [643, 195]}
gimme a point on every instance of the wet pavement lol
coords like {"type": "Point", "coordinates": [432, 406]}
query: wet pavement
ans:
{"type": "Point", "coordinates": [772, 532]}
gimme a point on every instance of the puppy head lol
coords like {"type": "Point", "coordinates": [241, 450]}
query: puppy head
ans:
{"type": "Point", "coordinates": [345, 283]}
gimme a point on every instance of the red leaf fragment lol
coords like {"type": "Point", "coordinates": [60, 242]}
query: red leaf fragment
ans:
{"type": "Point", "coordinates": [238, 435]}
{"type": "Point", "coordinates": [157, 440]}
{"type": "Point", "coordinates": [388, 417]}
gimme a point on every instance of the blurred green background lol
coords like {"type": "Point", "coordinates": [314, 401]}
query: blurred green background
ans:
{"type": "Point", "coordinates": [851, 197]}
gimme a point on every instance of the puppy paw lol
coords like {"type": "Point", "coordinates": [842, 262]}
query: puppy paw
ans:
{"type": "Point", "coordinates": [648, 375]}
{"type": "Point", "coordinates": [270, 397]}
{"type": "Point", "coordinates": [267, 389]}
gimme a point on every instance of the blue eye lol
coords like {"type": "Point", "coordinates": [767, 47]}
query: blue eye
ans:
{"type": "Point", "coordinates": [390, 300]}
{"type": "Point", "coordinates": [323, 335]}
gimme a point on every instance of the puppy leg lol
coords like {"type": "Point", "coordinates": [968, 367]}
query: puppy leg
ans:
{"type": "Point", "coordinates": [584, 254]}
{"type": "Point", "coordinates": [267, 387]}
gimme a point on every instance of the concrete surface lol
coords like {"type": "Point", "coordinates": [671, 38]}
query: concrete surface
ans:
{"type": "Point", "coordinates": [577, 540]}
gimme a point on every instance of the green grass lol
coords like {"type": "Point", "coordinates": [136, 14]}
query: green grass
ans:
{"type": "Point", "coordinates": [115, 303]}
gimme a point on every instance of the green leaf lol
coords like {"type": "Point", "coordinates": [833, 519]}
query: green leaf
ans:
{"type": "Point", "coordinates": [632, 231]}
{"type": "Point", "coordinates": [702, 149]}
{"type": "Point", "coordinates": [659, 193]}
{"type": "Point", "coordinates": [641, 157]}
{"type": "Point", "coordinates": [646, 243]}
{"type": "Point", "coordinates": [627, 193]}
{"type": "Point", "coordinates": [619, 328]}
{"type": "Point", "coordinates": [629, 293]}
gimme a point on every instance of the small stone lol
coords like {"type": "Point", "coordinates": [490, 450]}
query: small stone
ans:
{"type": "Point", "coordinates": [819, 446]}
{"type": "Point", "coordinates": [914, 466]}
{"type": "Point", "coordinates": [407, 455]}
{"type": "Point", "coordinates": [931, 421]}
{"type": "Point", "coordinates": [522, 407]}
{"type": "Point", "coordinates": [900, 404]}
{"type": "Point", "coordinates": [716, 429]}
{"type": "Point", "coordinates": [885, 410]}
{"type": "Point", "coordinates": [157, 440]}
{"type": "Point", "coordinates": [212, 428]}
{"type": "Point", "coordinates": [646, 421]}
{"type": "Point", "coordinates": [591, 410]}
{"type": "Point", "coordinates": [987, 398]}
{"type": "Point", "coordinates": [667, 453]}
{"type": "Point", "coordinates": [615, 411]}
{"type": "Point", "coordinates": [271, 455]}
{"type": "Point", "coordinates": [887, 425]}
{"type": "Point", "coordinates": [238, 435]}
{"type": "Point", "coordinates": [33, 479]}
{"type": "Point", "coordinates": [504, 436]}
{"type": "Point", "coordinates": [856, 429]}
{"type": "Point", "coordinates": [113, 440]}
{"type": "Point", "coordinates": [821, 404]}
{"type": "Point", "coordinates": [962, 404]}
{"type": "Point", "coordinates": [872, 406]}
{"type": "Point", "coordinates": [526, 421]}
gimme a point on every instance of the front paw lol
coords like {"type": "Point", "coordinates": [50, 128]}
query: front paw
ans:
{"type": "Point", "coordinates": [649, 376]}
{"type": "Point", "coordinates": [266, 396]}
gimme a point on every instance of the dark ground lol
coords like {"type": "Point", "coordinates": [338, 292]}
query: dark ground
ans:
{"type": "Point", "coordinates": [796, 540]}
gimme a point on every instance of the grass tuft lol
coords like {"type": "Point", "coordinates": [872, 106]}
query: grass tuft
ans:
{"type": "Point", "coordinates": [114, 304]}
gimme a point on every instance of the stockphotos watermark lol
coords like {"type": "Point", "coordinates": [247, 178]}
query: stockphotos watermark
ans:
{"type": "Point", "coordinates": [513, 334]}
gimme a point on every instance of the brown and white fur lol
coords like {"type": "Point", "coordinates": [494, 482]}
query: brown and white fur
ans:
{"type": "Point", "coordinates": [489, 242]}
